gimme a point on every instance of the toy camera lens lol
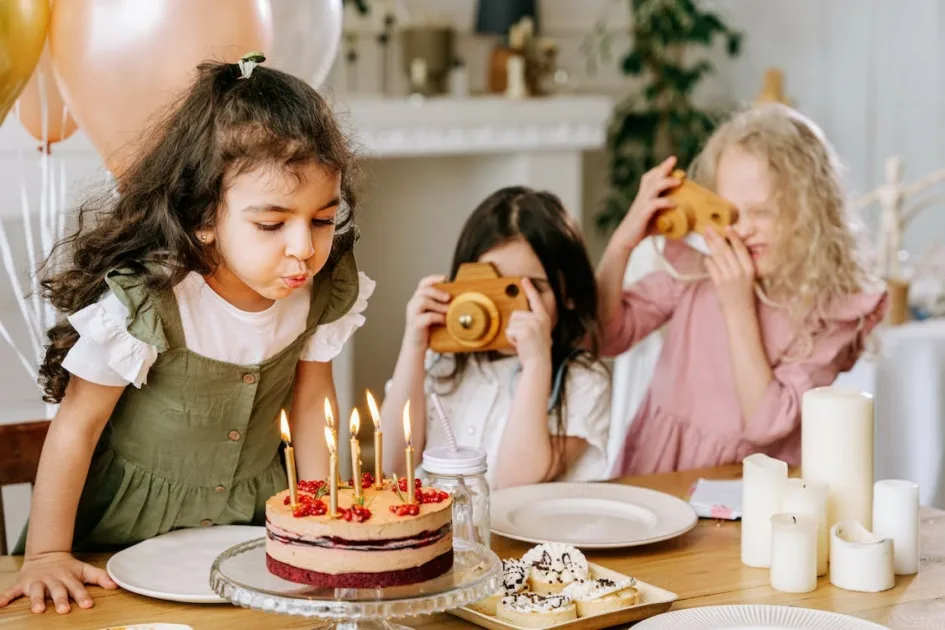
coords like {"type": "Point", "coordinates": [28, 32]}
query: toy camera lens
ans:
{"type": "Point", "coordinates": [511, 290]}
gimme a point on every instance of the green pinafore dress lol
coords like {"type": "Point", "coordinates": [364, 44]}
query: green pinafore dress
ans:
{"type": "Point", "coordinates": [198, 444]}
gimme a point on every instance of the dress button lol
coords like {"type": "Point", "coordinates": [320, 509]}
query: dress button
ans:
{"type": "Point", "coordinates": [206, 522]}
{"type": "Point", "coordinates": [219, 489]}
{"type": "Point", "coordinates": [249, 379]}
{"type": "Point", "coordinates": [234, 435]}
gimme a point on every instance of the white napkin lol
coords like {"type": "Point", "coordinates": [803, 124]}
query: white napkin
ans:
{"type": "Point", "coordinates": [712, 498]}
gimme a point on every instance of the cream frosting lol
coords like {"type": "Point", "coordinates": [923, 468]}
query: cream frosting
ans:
{"type": "Point", "coordinates": [533, 602]}
{"type": "Point", "coordinates": [556, 563]}
{"type": "Point", "coordinates": [591, 589]}
{"type": "Point", "coordinates": [515, 577]}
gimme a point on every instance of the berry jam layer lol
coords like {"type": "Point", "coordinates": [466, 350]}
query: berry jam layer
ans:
{"type": "Point", "coordinates": [413, 575]}
{"type": "Point", "coordinates": [423, 539]}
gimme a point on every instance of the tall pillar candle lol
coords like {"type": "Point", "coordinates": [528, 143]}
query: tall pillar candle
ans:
{"type": "Point", "coordinates": [763, 481]}
{"type": "Point", "coordinates": [803, 496]}
{"type": "Point", "coordinates": [896, 516]}
{"type": "Point", "coordinates": [837, 449]}
{"type": "Point", "coordinates": [793, 553]}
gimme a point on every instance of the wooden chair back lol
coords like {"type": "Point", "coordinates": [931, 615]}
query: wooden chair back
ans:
{"type": "Point", "coordinates": [20, 447]}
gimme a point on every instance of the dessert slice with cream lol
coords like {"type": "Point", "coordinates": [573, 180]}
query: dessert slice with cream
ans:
{"type": "Point", "coordinates": [597, 596]}
{"type": "Point", "coordinates": [554, 566]}
{"type": "Point", "coordinates": [514, 580]}
{"type": "Point", "coordinates": [531, 610]}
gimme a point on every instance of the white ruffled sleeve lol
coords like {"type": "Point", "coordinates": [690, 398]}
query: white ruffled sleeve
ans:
{"type": "Point", "coordinates": [328, 340]}
{"type": "Point", "coordinates": [106, 353]}
{"type": "Point", "coordinates": [588, 409]}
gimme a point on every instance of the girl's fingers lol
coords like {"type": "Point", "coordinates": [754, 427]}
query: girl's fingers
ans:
{"type": "Point", "coordinates": [429, 281]}
{"type": "Point", "coordinates": [59, 595]}
{"type": "Point", "coordinates": [430, 304]}
{"type": "Point", "coordinates": [10, 594]}
{"type": "Point", "coordinates": [78, 591]}
{"type": "Point", "coordinates": [741, 253]}
{"type": "Point", "coordinates": [425, 321]}
{"type": "Point", "coordinates": [713, 270]}
{"type": "Point", "coordinates": [534, 298]}
{"type": "Point", "coordinates": [434, 294]}
{"type": "Point", "coordinates": [37, 595]}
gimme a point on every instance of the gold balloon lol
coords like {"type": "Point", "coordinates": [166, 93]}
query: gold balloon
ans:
{"type": "Point", "coordinates": [22, 34]}
{"type": "Point", "coordinates": [121, 63]}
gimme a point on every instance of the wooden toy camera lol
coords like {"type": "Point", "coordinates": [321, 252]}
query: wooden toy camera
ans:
{"type": "Point", "coordinates": [697, 209]}
{"type": "Point", "coordinates": [481, 304]}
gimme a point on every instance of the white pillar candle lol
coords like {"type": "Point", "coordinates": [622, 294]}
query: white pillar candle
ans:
{"type": "Point", "coordinates": [802, 496]}
{"type": "Point", "coordinates": [793, 553]}
{"type": "Point", "coordinates": [859, 560]}
{"type": "Point", "coordinates": [763, 480]}
{"type": "Point", "coordinates": [837, 448]}
{"type": "Point", "coordinates": [896, 516]}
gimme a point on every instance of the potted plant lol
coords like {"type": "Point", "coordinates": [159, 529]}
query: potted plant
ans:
{"type": "Point", "coordinates": [661, 119]}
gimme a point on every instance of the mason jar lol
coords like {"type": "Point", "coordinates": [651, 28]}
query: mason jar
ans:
{"type": "Point", "coordinates": [463, 475]}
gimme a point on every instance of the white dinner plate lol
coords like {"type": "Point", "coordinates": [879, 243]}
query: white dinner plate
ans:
{"type": "Point", "coordinates": [589, 515]}
{"type": "Point", "coordinates": [755, 618]}
{"type": "Point", "coordinates": [176, 565]}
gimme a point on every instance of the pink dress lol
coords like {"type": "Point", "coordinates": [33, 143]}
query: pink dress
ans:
{"type": "Point", "coordinates": [691, 416]}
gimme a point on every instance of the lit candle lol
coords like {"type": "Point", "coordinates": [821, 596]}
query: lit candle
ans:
{"type": "Point", "coordinates": [378, 443]}
{"type": "Point", "coordinates": [763, 480]}
{"type": "Point", "coordinates": [896, 516]}
{"type": "Point", "coordinates": [793, 553]}
{"type": "Point", "coordinates": [837, 448]}
{"type": "Point", "coordinates": [330, 421]}
{"type": "Point", "coordinates": [332, 473]}
{"type": "Point", "coordinates": [408, 455]}
{"type": "Point", "coordinates": [802, 496]}
{"type": "Point", "coordinates": [290, 461]}
{"type": "Point", "coordinates": [859, 560]}
{"type": "Point", "coordinates": [354, 426]}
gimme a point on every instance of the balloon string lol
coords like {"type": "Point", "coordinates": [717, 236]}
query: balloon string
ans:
{"type": "Point", "coordinates": [695, 277]}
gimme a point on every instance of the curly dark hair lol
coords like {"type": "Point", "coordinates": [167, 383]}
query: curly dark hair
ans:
{"type": "Point", "coordinates": [222, 126]}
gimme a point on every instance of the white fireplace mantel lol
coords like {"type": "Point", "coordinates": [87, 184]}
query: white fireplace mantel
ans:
{"type": "Point", "coordinates": [477, 125]}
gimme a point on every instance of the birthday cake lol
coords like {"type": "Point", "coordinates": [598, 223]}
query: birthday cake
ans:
{"type": "Point", "coordinates": [377, 541]}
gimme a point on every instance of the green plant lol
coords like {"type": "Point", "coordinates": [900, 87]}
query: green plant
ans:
{"type": "Point", "coordinates": [661, 120]}
{"type": "Point", "coordinates": [360, 5]}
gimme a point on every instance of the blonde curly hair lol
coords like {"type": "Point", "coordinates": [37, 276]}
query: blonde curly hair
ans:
{"type": "Point", "coordinates": [820, 254]}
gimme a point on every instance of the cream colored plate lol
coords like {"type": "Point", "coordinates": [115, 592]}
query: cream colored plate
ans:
{"type": "Point", "coordinates": [755, 618]}
{"type": "Point", "coordinates": [590, 515]}
{"type": "Point", "coordinates": [176, 566]}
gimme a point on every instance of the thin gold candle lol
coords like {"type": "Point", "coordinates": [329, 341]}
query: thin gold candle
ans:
{"type": "Point", "coordinates": [354, 426]}
{"type": "Point", "coordinates": [330, 421]}
{"type": "Point", "coordinates": [378, 443]}
{"type": "Point", "coordinates": [408, 456]}
{"type": "Point", "coordinates": [332, 473]}
{"type": "Point", "coordinates": [290, 461]}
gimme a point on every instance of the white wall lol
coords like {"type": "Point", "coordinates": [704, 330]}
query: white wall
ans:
{"type": "Point", "coordinates": [871, 72]}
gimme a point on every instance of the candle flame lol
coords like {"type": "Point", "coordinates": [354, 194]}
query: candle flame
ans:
{"type": "Point", "coordinates": [407, 422]}
{"type": "Point", "coordinates": [329, 418]}
{"type": "Point", "coordinates": [354, 426]}
{"type": "Point", "coordinates": [330, 440]}
{"type": "Point", "coordinates": [284, 427]}
{"type": "Point", "coordinates": [375, 414]}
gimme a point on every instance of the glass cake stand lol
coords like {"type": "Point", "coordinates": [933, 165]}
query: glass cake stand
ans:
{"type": "Point", "coordinates": [239, 575]}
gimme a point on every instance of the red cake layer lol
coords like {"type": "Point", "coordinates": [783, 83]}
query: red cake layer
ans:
{"type": "Point", "coordinates": [434, 568]}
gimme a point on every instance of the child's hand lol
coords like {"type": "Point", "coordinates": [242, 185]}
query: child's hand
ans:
{"type": "Point", "coordinates": [653, 184]}
{"type": "Point", "coordinates": [732, 271]}
{"type": "Point", "coordinates": [60, 575]}
{"type": "Point", "coordinates": [529, 332]}
{"type": "Point", "coordinates": [426, 308]}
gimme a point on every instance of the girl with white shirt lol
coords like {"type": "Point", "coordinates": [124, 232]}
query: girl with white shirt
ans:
{"type": "Point", "coordinates": [542, 411]}
{"type": "Point", "coordinates": [207, 296]}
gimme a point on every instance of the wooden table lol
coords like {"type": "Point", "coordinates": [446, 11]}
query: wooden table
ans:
{"type": "Point", "coordinates": [703, 567]}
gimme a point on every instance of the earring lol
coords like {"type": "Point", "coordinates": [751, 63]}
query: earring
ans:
{"type": "Point", "coordinates": [202, 238]}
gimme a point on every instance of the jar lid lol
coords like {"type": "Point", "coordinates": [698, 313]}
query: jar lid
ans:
{"type": "Point", "coordinates": [443, 461]}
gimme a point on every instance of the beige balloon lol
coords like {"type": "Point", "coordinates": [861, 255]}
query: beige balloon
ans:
{"type": "Point", "coordinates": [121, 62]}
{"type": "Point", "coordinates": [59, 124]}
